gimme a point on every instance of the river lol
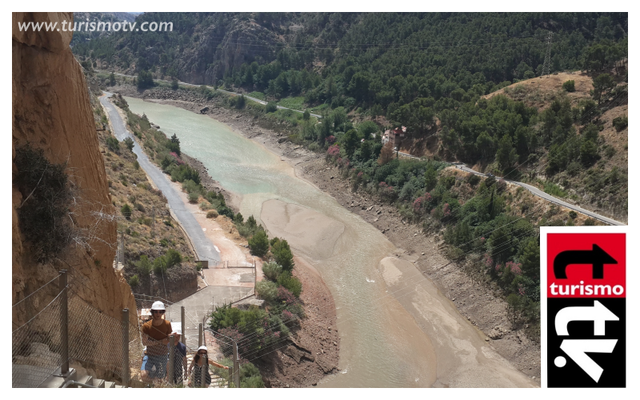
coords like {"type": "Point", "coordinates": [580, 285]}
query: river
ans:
{"type": "Point", "coordinates": [396, 329]}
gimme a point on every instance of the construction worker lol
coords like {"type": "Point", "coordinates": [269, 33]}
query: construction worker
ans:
{"type": "Point", "coordinates": [155, 335]}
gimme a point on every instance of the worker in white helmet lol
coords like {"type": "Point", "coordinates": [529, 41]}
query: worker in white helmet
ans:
{"type": "Point", "coordinates": [155, 335]}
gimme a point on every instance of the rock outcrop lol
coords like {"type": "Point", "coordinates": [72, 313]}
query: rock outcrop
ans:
{"type": "Point", "coordinates": [51, 111]}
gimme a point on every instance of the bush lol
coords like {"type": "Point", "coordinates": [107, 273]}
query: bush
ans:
{"type": "Point", "coordinates": [46, 197]}
{"type": "Point", "coordinates": [267, 291]}
{"type": "Point", "coordinates": [143, 265]}
{"type": "Point", "coordinates": [271, 107]}
{"type": "Point", "coordinates": [212, 214]}
{"type": "Point", "coordinates": [241, 102]}
{"type": "Point", "coordinates": [271, 270]}
{"type": "Point", "coordinates": [129, 143]}
{"type": "Point", "coordinates": [259, 244]}
{"type": "Point", "coordinates": [620, 123]}
{"type": "Point", "coordinates": [193, 197]}
{"type": "Point", "coordinates": [159, 265]}
{"type": "Point", "coordinates": [282, 254]}
{"type": "Point", "coordinates": [134, 281]}
{"type": "Point", "coordinates": [126, 211]}
{"type": "Point", "coordinates": [291, 283]}
{"type": "Point", "coordinates": [172, 257]}
{"type": "Point", "coordinates": [112, 144]}
{"type": "Point", "coordinates": [569, 86]}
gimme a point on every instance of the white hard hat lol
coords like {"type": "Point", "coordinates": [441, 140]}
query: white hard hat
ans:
{"type": "Point", "coordinates": [202, 348]}
{"type": "Point", "coordinates": [158, 305]}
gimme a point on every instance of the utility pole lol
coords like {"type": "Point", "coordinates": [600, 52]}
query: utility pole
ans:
{"type": "Point", "coordinates": [546, 67]}
{"type": "Point", "coordinates": [236, 365]}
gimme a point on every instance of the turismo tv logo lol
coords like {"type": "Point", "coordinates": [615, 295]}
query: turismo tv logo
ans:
{"type": "Point", "coordinates": [586, 309]}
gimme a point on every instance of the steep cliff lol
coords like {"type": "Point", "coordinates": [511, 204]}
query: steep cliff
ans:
{"type": "Point", "coordinates": [51, 112]}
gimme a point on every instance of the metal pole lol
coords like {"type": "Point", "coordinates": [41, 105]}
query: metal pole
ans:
{"type": "Point", "coordinates": [172, 356]}
{"type": "Point", "coordinates": [199, 334]}
{"type": "Point", "coordinates": [64, 322]}
{"type": "Point", "coordinates": [236, 365]}
{"type": "Point", "coordinates": [125, 347]}
{"type": "Point", "coordinates": [183, 337]}
{"type": "Point", "coordinates": [203, 371]}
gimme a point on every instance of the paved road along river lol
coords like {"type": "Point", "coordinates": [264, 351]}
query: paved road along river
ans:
{"type": "Point", "coordinates": [203, 246]}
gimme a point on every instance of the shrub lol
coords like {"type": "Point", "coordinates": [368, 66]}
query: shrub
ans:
{"type": "Point", "coordinates": [134, 281]}
{"type": "Point", "coordinates": [569, 86]}
{"type": "Point", "coordinates": [212, 214]}
{"type": "Point", "coordinates": [193, 197]}
{"type": "Point", "coordinates": [204, 206]}
{"type": "Point", "coordinates": [112, 144]}
{"type": "Point", "coordinates": [129, 143]}
{"type": "Point", "coordinates": [271, 107]}
{"type": "Point", "coordinates": [172, 257]}
{"type": "Point", "coordinates": [46, 196]}
{"type": "Point", "coordinates": [143, 265]}
{"type": "Point", "coordinates": [259, 244]}
{"type": "Point", "coordinates": [126, 211]}
{"type": "Point", "coordinates": [271, 270]}
{"type": "Point", "coordinates": [160, 265]}
{"type": "Point", "coordinates": [282, 255]}
{"type": "Point", "coordinates": [267, 290]}
{"type": "Point", "coordinates": [620, 123]}
{"type": "Point", "coordinates": [291, 283]}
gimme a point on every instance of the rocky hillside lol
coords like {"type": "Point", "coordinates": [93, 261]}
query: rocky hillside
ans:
{"type": "Point", "coordinates": [53, 129]}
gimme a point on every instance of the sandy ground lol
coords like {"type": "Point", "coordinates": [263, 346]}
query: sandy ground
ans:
{"type": "Point", "coordinates": [232, 247]}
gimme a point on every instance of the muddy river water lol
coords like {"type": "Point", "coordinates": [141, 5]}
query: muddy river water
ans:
{"type": "Point", "coordinates": [396, 329]}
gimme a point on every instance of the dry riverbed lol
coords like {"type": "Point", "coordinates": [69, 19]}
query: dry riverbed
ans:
{"type": "Point", "coordinates": [416, 253]}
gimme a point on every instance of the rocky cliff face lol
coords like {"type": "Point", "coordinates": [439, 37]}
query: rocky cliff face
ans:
{"type": "Point", "coordinates": [51, 111]}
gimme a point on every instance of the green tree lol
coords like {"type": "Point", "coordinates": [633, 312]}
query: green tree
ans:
{"type": "Point", "coordinates": [506, 155]}
{"type": "Point", "coordinates": [259, 244]}
{"type": "Point", "coordinates": [143, 265]}
{"type": "Point", "coordinates": [350, 141]}
{"type": "Point", "coordinates": [174, 144]}
{"type": "Point", "coordinates": [126, 211]}
{"type": "Point", "coordinates": [129, 143]}
{"type": "Point", "coordinates": [569, 86]}
{"type": "Point", "coordinates": [282, 254]}
{"type": "Point", "coordinates": [145, 80]}
{"type": "Point", "coordinates": [430, 177]}
{"type": "Point", "coordinates": [113, 144]}
{"type": "Point", "coordinates": [602, 86]}
{"type": "Point", "coordinates": [174, 84]}
{"type": "Point", "coordinates": [271, 107]}
{"type": "Point", "coordinates": [306, 115]}
{"type": "Point", "coordinates": [112, 79]}
{"type": "Point", "coordinates": [241, 102]}
{"type": "Point", "coordinates": [530, 259]}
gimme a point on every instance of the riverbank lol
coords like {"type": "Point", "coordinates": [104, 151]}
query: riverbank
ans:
{"type": "Point", "coordinates": [483, 309]}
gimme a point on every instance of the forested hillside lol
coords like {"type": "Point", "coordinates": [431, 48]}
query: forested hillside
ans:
{"type": "Point", "coordinates": [467, 87]}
